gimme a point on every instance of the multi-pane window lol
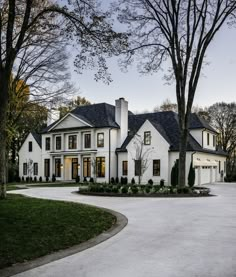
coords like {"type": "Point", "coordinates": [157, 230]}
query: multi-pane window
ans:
{"type": "Point", "coordinates": [47, 144]}
{"type": "Point", "coordinates": [156, 167]}
{"type": "Point", "coordinates": [100, 140]}
{"type": "Point", "coordinates": [72, 142]}
{"type": "Point", "coordinates": [147, 138]}
{"type": "Point", "coordinates": [87, 167]}
{"type": "Point", "coordinates": [125, 168]}
{"type": "Point", "coordinates": [138, 167]}
{"type": "Point", "coordinates": [30, 146]}
{"type": "Point", "coordinates": [24, 168]}
{"type": "Point", "coordinates": [58, 143]}
{"type": "Point", "coordinates": [87, 140]}
{"type": "Point", "coordinates": [100, 166]}
{"type": "Point", "coordinates": [47, 167]}
{"type": "Point", "coordinates": [214, 141]}
{"type": "Point", "coordinates": [58, 167]}
{"type": "Point", "coordinates": [208, 139]}
{"type": "Point", "coordinates": [36, 169]}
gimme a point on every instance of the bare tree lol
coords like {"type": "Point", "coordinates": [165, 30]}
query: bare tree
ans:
{"type": "Point", "coordinates": [223, 118]}
{"type": "Point", "coordinates": [180, 32]}
{"type": "Point", "coordinates": [26, 25]}
{"type": "Point", "coordinates": [141, 157]}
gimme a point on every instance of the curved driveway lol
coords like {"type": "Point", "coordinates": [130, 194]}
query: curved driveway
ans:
{"type": "Point", "coordinates": [164, 237]}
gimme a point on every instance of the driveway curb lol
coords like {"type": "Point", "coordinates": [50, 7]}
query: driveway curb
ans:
{"type": "Point", "coordinates": [121, 222]}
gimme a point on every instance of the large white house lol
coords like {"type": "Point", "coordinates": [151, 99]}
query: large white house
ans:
{"type": "Point", "coordinates": [104, 141]}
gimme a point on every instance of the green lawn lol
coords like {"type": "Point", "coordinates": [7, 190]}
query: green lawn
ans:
{"type": "Point", "coordinates": [30, 228]}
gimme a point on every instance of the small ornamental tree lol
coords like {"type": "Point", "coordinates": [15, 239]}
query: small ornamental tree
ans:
{"type": "Point", "coordinates": [175, 174]}
{"type": "Point", "coordinates": [191, 175]}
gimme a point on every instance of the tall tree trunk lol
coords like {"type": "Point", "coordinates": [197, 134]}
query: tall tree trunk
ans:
{"type": "Point", "coordinates": [182, 157]}
{"type": "Point", "coordinates": [3, 133]}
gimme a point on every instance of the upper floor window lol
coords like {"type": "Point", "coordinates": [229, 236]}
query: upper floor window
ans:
{"type": "Point", "coordinates": [47, 144]}
{"type": "Point", "coordinates": [100, 140]}
{"type": "Point", "coordinates": [58, 143]}
{"type": "Point", "coordinates": [156, 167]}
{"type": "Point", "coordinates": [214, 141]}
{"type": "Point", "coordinates": [30, 146]}
{"type": "Point", "coordinates": [147, 138]}
{"type": "Point", "coordinates": [208, 139]}
{"type": "Point", "coordinates": [125, 168]}
{"type": "Point", "coordinates": [72, 142]}
{"type": "Point", "coordinates": [87, 140]}
{"type": "Point", "coordinates": [36, 169]}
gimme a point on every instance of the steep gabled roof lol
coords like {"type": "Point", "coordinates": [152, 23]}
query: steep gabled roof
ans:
{"type": "Point", "coordinates": [167, 125]}
{"type": "Point", "coordinates": [196, 122]}
{"type": "Point", "coordinates": [38, 138]}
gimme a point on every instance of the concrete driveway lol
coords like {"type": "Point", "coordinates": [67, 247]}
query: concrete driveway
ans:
{"type": "Point", "coordinates": [164, 237]}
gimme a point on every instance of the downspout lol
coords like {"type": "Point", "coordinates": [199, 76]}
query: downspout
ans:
{"type": "Point", "coordinates": [109, 155]}
{"type": "Point", "coordinates": [117, 164]}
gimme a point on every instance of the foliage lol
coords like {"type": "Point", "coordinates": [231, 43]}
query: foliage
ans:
{"type": "Point", "coordinates": [53, 178]}
{"type": "Point", "coordinates": [174, 174]}
{"type": "Point", "coordinates": [40, 179]}
{"type": "Point", "coordinates": [117, 180]}
{"type": "Point", "coordinates": [91, 180]}
{"type": "Point", "coordinates": [77, 180]}
{"type": "Point", "coordinates": [150, 182]}
{"type": "Point", "coordinates": [133, 181]}
{"type": "Point", "coordinates": [112, 180]}
{"type": "Point", "coordinates": [134, 189]}
{"type": "Point", "coordinates": [179, 33]}
{"type": "Point", "coordinates": [162, 183]}
{"type": "Point", "coordinates": [54, 225]}
{"type": "Point", "coordinates": [124, 189]}
{"type": "Point", "coordinates": [191, 175]}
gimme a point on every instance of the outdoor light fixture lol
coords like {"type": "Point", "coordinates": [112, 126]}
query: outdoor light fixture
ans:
{"type": "Point", "coordinates": [78, 166]}
{"type": "Point", "coordinates": [61, 166]}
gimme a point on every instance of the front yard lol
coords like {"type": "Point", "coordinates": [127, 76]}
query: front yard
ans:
{"type": "Point", "coordinates": [31, 227]}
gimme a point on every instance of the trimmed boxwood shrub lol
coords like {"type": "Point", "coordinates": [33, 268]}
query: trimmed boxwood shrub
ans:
{"type": "Point", "coordinates": [85, 179]}
{"type": "Point", "coordinates": [40, 179]}
{"type": "Point", "coordinates": [91, 180]}
{"type": "Point", "coordinates": [115, 189]}
{"type": "Point", "coordinates": [124, 190]}
{"type": "Point", "coordinates": [134, 189]}
{"type": "Point", "coordinates": [27, 179]}
{"type": "Point", "coordinates": [147, 189]}
{"type": "Point", "coordinates": [53, 178]}
{"type": "Point", "coordinates": [77, 180]}
{"type": "Point", "coordinates": [22, 178]}
{"type": "Point", "coordinates": [175, 174]}
{"type": "Point", "coordinates": [162, 183]}
{"type": "Point", "coordinates": [150, 182]}
{"type": "Point", "coordinates": [112, 180]}
{"type": "Point", "coordinates": [117, 180]}
{"type": "Point", "coordinates": [191, 175]}
{"type": "Point", "coordinates": [133, 181]}
{"type": "Point", "coordinates": [35, 179]}
{"type": "Point", "coordinates": [47, 179]}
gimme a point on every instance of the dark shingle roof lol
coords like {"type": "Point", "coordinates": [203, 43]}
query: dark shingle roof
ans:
{"type": "Point", "coordinates": [167, 125]}
{"type": "Point", "coordinates": [196, 122]}
{"type": "Point", "coordinates": [38, 138]}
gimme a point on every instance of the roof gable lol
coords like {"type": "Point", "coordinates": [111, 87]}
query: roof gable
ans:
{"type": "Point", "coordinates": [70, 121]}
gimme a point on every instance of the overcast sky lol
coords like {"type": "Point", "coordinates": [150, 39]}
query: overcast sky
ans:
{"type": "Point", "coordinates": [146, 92]}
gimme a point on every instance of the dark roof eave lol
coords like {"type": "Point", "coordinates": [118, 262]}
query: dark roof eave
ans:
{"type": "Point", "coordinates": [203, 151]}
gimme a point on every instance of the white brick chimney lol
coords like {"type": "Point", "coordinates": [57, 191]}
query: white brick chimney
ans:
{"type": "Point", "coordinates": [53, 115]}
{"type": "Point", "coordinates": [121, 117]}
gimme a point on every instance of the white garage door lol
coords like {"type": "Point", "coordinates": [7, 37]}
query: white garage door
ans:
{"type": "Point", "coordinates": [205, 175]}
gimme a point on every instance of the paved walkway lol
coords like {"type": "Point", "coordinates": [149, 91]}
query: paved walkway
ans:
{"type": "Point", "coordinates": [194, 237]}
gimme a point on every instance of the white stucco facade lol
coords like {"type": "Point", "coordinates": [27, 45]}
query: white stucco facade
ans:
{"type": "Point", "coordinates": [73, 147]}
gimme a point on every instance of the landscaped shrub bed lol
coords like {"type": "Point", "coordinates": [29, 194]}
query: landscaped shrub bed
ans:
{"type": "Point", "coordinates": [143, 190]}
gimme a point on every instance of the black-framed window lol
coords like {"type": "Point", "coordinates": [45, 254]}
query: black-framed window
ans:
{"type": "Point", "coordinates": [24, 168]}
{"type": "Point", "coordinates": [138, 167]}
{"type": "Point", "coordinates": [100, 166]}
{"type": "Point", "coordinates": [36, 169]}
{"type": "Point", "coordinates": [100, 140]}
{"type": "Point", "coordinates": [46, 167]}
{"type": "Point", "coordinates": [58, 167]}
{"type": "Point", "coordinates": [58, 143]}
{"type": "Point", "coordinates": [147, 138]}
{"type": "Point", "coordinates": [72, 142]}
{"type": "Point", "coordinates": [225, 166]}
{"type": "Point", "coordinates": [87, 167]}
{"type": "Point", "coordinates": [214, 141]}
{"type": "Point", "coordinates": [87, 140]}
{"type": "Point", "coordinates": [47, 144]}
{"type": "Point", "coordinates": [125, 168]}
{"type": "Point", "coordinates": [208, 139]}
{"type": "Point", "coordinates": [30, 146]}
{"type": "Point", "coordinates": [156, 167]}
{"type": "Point", "coordinates": [219, 166]}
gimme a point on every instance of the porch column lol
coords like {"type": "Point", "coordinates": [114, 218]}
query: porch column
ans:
{"type": "Point", "coordinates": [93, 139]}
{"type": "Point", "coordinates": [62, 167]}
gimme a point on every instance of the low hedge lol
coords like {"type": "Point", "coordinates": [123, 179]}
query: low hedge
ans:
{"type": "Point", "coordinates": [142, 190]}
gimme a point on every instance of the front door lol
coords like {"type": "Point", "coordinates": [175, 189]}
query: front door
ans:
{"type": "Point", "coordinates": [74, 168]}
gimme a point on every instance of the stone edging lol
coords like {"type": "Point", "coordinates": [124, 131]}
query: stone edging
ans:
{"type": "Point", "coordinates": [121, 222]}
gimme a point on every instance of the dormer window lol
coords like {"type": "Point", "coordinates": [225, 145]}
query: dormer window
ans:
{"type": "Point", "coordinates": [208, 139]}
{"type": "Point", "coordinates": [147, 138]}
{"type": "Point", "coordinates": [214, 141]}
{"type": "Point", "coordinates": [47, 144]}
